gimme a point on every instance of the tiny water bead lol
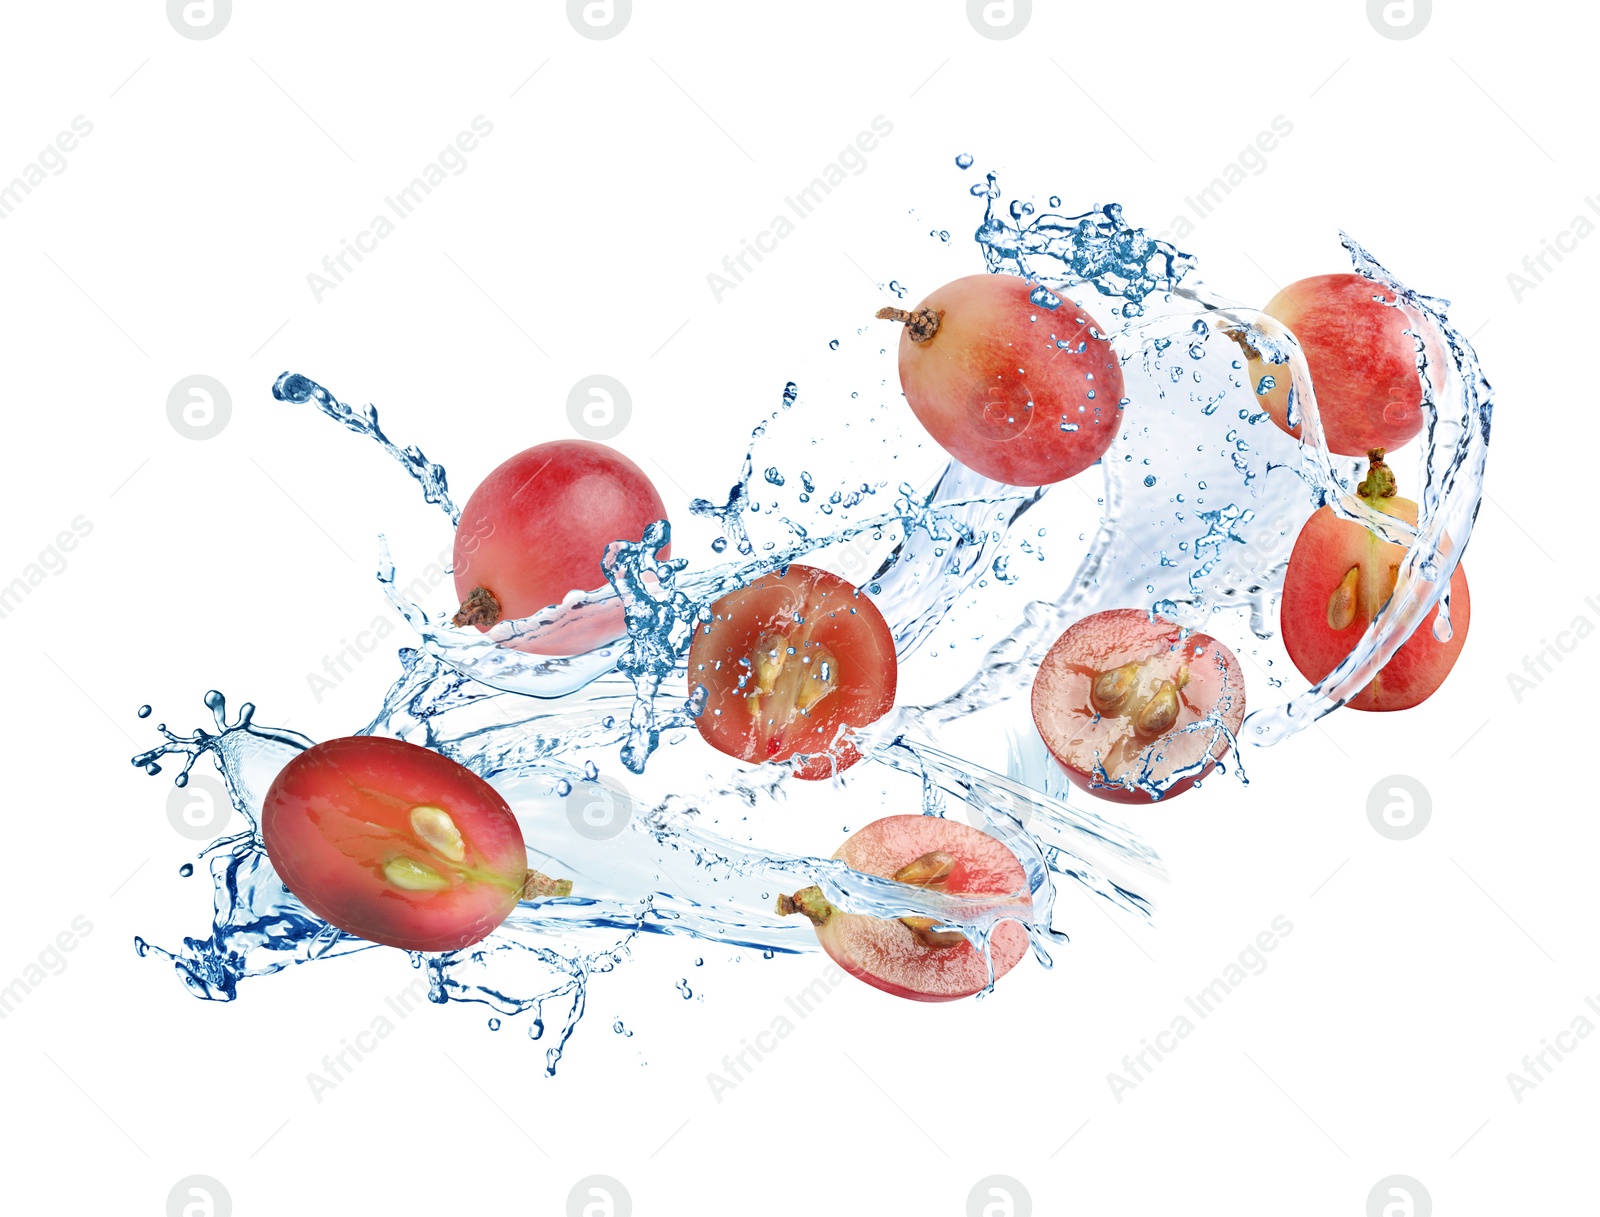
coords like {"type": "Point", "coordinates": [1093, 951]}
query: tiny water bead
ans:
{"type": "Point", "coordinates": [144, 711]}
{"type": "Point", "coordinates": [186, 869]}
{"type": "Point", "coordinates": [964, 160]}
{"type": "Point", "coordinates": [683, 988]}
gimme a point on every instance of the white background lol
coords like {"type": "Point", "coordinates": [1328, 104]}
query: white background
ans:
{"type": "Point", "coordinates": [178, 240]}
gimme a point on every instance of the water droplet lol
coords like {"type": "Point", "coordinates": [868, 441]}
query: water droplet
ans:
{"type": "Point", "coordinates": [494, 1024]}
{"type": "Point", "coordinates": [834, 345]}
{"type": "Point", "coordinates": [964, 161]}
{"type": "Point", "coordinates": [683, 987]}
{"type": "Point", "coordinates": [144, 711]}
{"type": "Point", "coordinates": [186, 869]}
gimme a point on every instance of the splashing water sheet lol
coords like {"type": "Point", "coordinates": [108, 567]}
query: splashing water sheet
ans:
{"type": "Point", "coordinates": [1198, 502]}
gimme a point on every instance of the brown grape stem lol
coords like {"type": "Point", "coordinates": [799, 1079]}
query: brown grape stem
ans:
{"type": "Point", "coordinates": [921, 325]}
{"type": "Point", "coordinates": [539, 886]}
{"type": "Point", "coordinates": [1379, 484]}
{"type": "Point", "coordinates": [479, 608]}
{"type": "Point", "coordinates": [810, 903]}
{"type": "Point", "coordinates": [1241, 340]}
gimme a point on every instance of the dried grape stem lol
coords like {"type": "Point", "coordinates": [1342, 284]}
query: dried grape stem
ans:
{"type": "Point", "coordinates": [1242, 341]}
{"type": "Point", "coordinates": [810, 902]}
{"type": "Point", "coordinates": [538, 886]}
{"type": "Point", "coordinates": [921, 325]}
{"type": "Point", "coordinates": [1379, 484]}
{"type": "Point", "coordinates": [479, 608]}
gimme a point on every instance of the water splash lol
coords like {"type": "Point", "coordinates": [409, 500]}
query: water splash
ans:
{"type": "Point", "coordinates": [1202, 499]}
{"type": "Point", "coordinates": [363, 420]}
